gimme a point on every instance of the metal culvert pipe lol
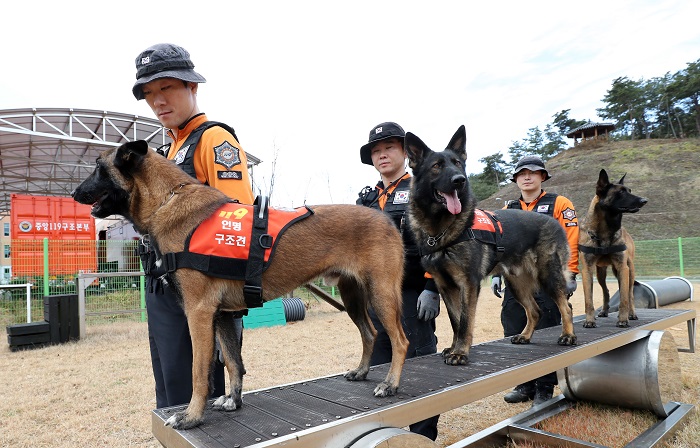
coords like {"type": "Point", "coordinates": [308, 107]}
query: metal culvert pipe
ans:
{"type": "Point", "coordinates": [294, 309]}
{"type": "Point", "coordinates": [656, 293]}
{"type": "Point", "coordinates": [645, 374]}
{"type": "Point", "coordinates": [390, 437]}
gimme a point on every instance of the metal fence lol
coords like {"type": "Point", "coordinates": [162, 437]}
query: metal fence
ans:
{"type": "Point", "coordinates": [113, 285]}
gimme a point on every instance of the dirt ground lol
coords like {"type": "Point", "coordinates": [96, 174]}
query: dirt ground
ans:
{"type": "Point", "coordinates": [98, 392]}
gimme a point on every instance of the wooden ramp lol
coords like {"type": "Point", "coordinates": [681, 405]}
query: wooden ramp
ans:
{"type": "Point", "coordinates": [332, 412]}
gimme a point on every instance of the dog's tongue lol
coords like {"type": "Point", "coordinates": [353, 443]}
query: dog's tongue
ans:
{"type": "Point", "coordinates": [453, 204]}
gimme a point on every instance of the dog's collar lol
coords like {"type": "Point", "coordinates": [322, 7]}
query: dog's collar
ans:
{"type": "Point", "coordinates": [432, 240]}
{"type": "Point", "coordinates": [172, 193]}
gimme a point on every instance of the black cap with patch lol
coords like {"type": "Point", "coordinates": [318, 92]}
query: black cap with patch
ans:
{"type": "Point", "coordinates": [532, 163]}
{"type": "Point", "coordinates": [163, 61]}
{"type": "Point", "coordinates": [380, 132]}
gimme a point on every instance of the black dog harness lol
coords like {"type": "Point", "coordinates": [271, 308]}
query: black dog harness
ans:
{"type": "Point", "coordinates": [601, 250]}
{"type": "Point", "coordinates": [236, 242]}
{"type": "Point", "coordinates": [486, 229]}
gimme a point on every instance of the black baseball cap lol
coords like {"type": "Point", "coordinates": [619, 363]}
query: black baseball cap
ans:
{"type": "Point", "coordinates": [532, 163]}
{"type": "Point", "coordinates": [163, 61]}
{"type": "Point", "coordinates": [380, 132]}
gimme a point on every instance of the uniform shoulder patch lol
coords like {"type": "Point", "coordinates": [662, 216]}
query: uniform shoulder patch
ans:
{"type": "Point", "coordinates": [227, 155]}
{"type": "Point", "coordinates": [569, 214]}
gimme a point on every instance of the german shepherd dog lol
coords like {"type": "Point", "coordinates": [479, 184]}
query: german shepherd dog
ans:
{"type": "Point", "coordinates": [604, 242]}
{"type": "Point", "coordinates": [535, 250]}
{"type": "Point", "coordinates": [342, 242]}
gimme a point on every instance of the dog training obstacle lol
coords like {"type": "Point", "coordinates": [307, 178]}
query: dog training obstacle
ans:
{"type": "Point", "coordinates": [333, 412]}
{"type": "Point", "coordinates": [656, 293]}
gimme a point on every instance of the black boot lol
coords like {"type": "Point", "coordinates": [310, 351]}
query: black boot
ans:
{"type": "Point", "coordinates": [543, 392]}
{"type": "Point", "coordinates": [521, 393]}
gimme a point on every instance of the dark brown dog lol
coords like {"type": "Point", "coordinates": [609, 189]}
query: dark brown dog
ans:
{"type": "Point", "coordinates": [345, 242]}
{"type": "Point", "coordinates": [604, 242]}
{"type": "Point", "coordinates": [532, 253]}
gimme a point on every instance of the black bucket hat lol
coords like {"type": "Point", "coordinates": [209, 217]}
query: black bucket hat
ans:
{"type": "Point", "coordinates": [380, 132]}
{"type": "Point", "coordinates": [532, 163]}
{"type": "Point", "coordinates": [163, 61]}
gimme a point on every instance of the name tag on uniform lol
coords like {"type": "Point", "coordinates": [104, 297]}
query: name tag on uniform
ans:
{"type": "Point", "coordinates": [401, 197]}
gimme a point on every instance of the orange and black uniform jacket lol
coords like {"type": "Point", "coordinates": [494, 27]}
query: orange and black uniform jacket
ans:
{"type": "Point", "coordinates": [565, 213]}
{"type": "Point", "coordinates": [205, 159]}
{"type": "Point", "coordinates": [393, 200]}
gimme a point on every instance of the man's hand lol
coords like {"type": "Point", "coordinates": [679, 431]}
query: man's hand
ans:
{"type": "Point", "coordinates": [496, 285]}
{"type": "Point", "coordinates": [571, 285]}
{"type": "Point", "coordinates": [428, 305]}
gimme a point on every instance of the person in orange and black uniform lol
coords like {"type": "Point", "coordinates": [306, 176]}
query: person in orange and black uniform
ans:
{"type": "Point", "coordinates": [529, 174]}
{"type": "Point", "coordinates": [421, 302]}
{"type": "Point", "coordinates": [166, 79]}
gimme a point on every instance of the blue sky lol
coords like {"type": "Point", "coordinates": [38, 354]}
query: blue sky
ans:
{"type": "Point", "coordinates": [309, 79]}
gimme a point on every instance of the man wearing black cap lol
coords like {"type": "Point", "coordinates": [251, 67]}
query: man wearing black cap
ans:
{"type": "Point", "coordinates": [421, 304]}
{"type": "Point", "coordinates": [209, 151]}
{"type": "Point", "coordinates": [529, 174]}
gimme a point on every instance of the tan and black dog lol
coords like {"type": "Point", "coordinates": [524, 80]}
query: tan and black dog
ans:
{"type": "Point", "coordinates": [604, 242]}
{"type": "Point", "coordinates": [459, 250]}
{"type": "Point", "coordinates": [344, 242]}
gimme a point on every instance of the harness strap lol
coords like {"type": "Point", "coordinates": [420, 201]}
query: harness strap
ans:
{"type": "Point", "coordinates": [602, 250]}
{"type": "Point", "coordinates": [483, 236]}
{"type": "Point", "coordinates": [259, 242]}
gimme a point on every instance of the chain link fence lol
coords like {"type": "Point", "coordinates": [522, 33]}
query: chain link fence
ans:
{"type": "Point", "coordinates": [114, 285]}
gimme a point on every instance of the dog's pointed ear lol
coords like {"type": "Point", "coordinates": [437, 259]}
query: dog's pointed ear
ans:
{"type": "Point", "coordinates": [416, 150]}
{"type": "Point", "coordinates": [130, 154]}
{"type": "Point", "coordinates": [603, 183]}
{"type": "Point", "coordinates": [622, 179]}
{"type": "Point", "coordinates": [458, 143]}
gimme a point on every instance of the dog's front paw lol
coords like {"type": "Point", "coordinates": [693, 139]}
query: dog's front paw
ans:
{"type": "Point", "coordinates": [456, 359]}
{"type": "Point", "coordinates": [180, 420]}
{"type": "Point", "coordinates": [589, 324]}
{"type": "Point", "coordinates": [227, 403]}
{"type": "Point", "coordinates": [384, 389]}
{"type": "Point", "coordinates": [519, 339]}
{"type": "Point", "coordinates": [603, 313]}
{"type": "Point", "coordinates": [634, 316]}
{"type": "Point", "coordinates": [446, 352]}
{"type": "Point", "coordinates": [356, 375]}
{"type": "Point", "coordinates": [567, 339]}
{"type": "Point", "coordinates": [623, 324]}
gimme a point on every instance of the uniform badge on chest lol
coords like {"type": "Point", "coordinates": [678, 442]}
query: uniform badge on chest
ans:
{"type": "Point", "coordinates": [180, 156]}
{"type": "Point", "coordinates": [401, 197]}
{"type": "Point", "coordinates": [543, 208]}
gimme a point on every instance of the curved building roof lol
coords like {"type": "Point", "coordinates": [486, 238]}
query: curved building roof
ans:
{"type": "Point", "coordinates": [50, 151]}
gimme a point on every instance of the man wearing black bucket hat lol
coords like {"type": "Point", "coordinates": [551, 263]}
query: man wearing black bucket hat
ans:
{"type": "Point", "coordinates": [421, 302]}
{"type": "Point", "coordinates": [210, 152]}
{"type": "Point", "coordinates": [529, 174]}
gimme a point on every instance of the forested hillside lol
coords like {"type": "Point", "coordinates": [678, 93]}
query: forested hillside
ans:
{"type": "Point", "coordinates": [663, 171]}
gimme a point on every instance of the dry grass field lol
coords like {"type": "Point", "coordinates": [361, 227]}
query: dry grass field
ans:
{"type": "Point", "coordinates": [98, 392]}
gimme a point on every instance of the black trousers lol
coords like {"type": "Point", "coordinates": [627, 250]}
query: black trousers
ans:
{"type": "Point", "coordinates": [421, 341]}
{"type": "Point", "coordinates": [513, 319]}
{"type": "Point", "coordinates": [171, 348]}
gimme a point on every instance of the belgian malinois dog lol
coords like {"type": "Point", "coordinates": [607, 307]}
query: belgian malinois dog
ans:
{"type": "Point", "coordinates": [604, 242]}
{"type": "Point", "coordinates": [532, 252]}
{"type": "Point", "coordinates": [343, 242]}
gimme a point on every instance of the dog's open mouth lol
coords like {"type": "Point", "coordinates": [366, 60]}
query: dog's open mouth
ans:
{"type": "Point", "coordinates": [97, 206]}
{"type": "Point", "coordinates": [450, 201]}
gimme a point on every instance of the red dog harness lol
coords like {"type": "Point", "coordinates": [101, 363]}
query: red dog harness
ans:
{"type": "Point", "coordinates": [236, 242]}
{"type": "Point", "coordinates": [485, 229]}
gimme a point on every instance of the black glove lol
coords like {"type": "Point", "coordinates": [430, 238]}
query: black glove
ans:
{"type": "Point", "coordinates": [496, 285]}
{"type": "Point", "coordinates": [571, 285]}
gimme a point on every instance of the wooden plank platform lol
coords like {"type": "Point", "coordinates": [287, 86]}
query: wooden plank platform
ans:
{"type": "Point", "coordinates": [331, 411]}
